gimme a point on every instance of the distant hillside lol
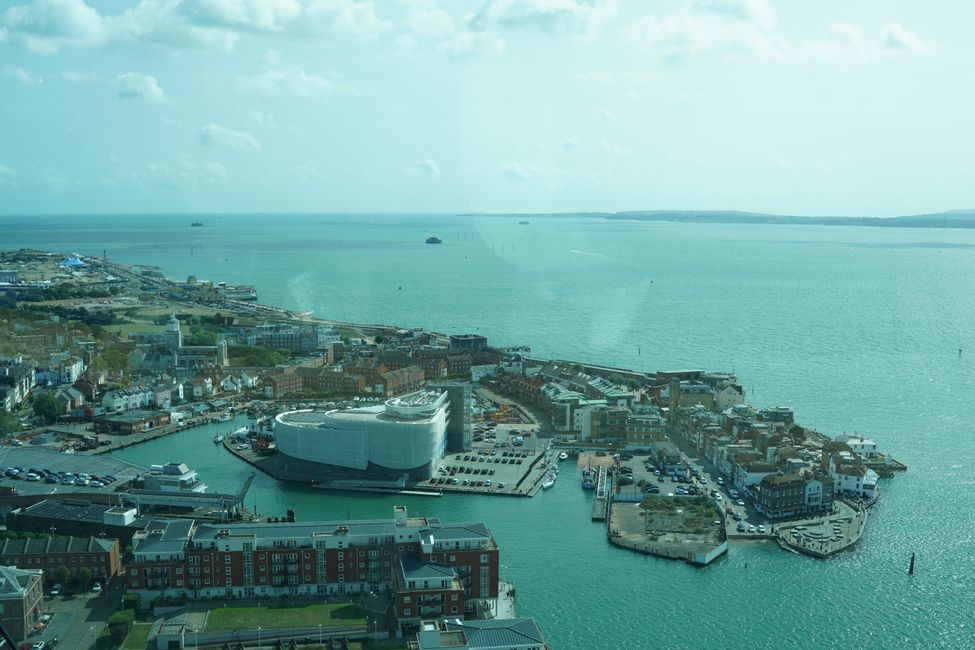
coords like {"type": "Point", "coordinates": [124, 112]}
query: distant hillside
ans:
{"type": "Point", "coordinates": [950, 219]}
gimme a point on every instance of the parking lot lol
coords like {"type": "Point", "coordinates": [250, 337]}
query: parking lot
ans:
{"type": "Point", "coordinates": [45, 464]}
{"type": "Point", "coordinates": [692, 480]}
{"type": "Point", "coordinates": [501, 458]}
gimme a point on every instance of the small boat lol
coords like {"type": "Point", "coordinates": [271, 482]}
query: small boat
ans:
{"type": "Point", "coordinates": [522, 223]}
{"type": "Point", "coordinates": [434, 240]}
{"type": "Point", "coordinates": [217, 439]}
{"type": "Point", "coordinates": [589, 478]}
{"type": "Point", "coordinates": [563, 456]}
{"type": "Point", "coordinates": [547, 483]}
{"type": "Point", "coordinates": [241, 431]}
{"type": "Point", "coordinates": [196, 224]}
{"type": "Point", "coordinates": [224, 417]}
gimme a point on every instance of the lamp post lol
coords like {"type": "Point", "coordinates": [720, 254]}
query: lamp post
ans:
{"type": "Point", "coordinates": [196, 638]}
{"type": "Point", "coordinates": [259, 636]}
{"type": "Point", "coordinates": [319, 634]}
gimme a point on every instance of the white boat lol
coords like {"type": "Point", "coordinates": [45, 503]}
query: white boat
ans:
{"type": "Point", "coordinates": [241, 431]}
{"type": "Point", "coordinates": [224, 417]}
{"type": "Point", "coordinates": [548, 482]}
{"type": "Point", "coordinates": [563, 456]}
{"type": "Point", "coordinates": [217, 439]}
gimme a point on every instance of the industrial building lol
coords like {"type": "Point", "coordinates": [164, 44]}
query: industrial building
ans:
{"type": "Point", "coordinates": [404, 436]}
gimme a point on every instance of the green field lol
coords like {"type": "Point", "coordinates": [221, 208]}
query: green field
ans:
{"type": "Point", "coordinates": [137, 638]}
{"type": "Point", "coordinates": [276, 618]}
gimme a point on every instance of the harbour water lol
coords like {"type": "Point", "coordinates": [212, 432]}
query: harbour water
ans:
{"type": "Point", "coordinates": [859, 329]}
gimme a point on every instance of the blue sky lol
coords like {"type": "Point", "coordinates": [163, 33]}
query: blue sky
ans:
{"type": "Point", "coordinates": [832, 107]}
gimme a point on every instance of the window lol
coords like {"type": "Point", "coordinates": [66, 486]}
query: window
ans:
{"type": "Point", "coordinates": [227, 571]}
{"type": "Point", "coordinates": [179, 570]}
{"type": "Point", "coordinates": [485, 558]}
{"type": "Point", "coordinates": [226, 559]}
{"type": "Point", "coordinates": [454, 597]}
{"type": "Point", "coordinates": [407, 612]}
{"type": "Point", "coordinates": [406, 599]}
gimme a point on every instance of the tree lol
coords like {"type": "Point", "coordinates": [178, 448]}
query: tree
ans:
{"type": "Point", "coordinates": [64, 574]}
{"type": "Point", "coordinates": [45, 407]}
{"type": "Point", "coordinates": [85, 576]}
{"type": "Point", "coordinates": [8, 423]}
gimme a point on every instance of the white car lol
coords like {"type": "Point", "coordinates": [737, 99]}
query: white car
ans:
{"type": "Point", "coordinates": [96, 588]}
{"type": "Point", "coordinates": [761, 528]}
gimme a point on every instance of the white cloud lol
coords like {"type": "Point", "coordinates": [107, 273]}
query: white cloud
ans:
{"type": "Point", "coordinates": [513, 171]}
{"type": "Point", "coordinates": [215, 135]}
{"type": "Point", "coordinates": [182, 174]}
{"type": "Point", "coordinates": [261, 118]}
{"type": "Point", "coordinates": [895, 37]}
{"type": "Point", "coordinates": [469, 45]}
{"type": "Point", "coordinates": [161, 23]}
{"type": "Point", "coordinates": [759, 12]}
{"type": "Point", "coordinates": [683, 35]}
{"type": "Point", "coordinates": [428, 21]}
{"type": "Point", "coordinates": [133, 85]}
{"type": "Point", "coordinates": [283, 81]}
{"type": "Point", "coordinates": [257, 15]}
{"type": "Point", "coordinates": [426, 167]}
{"type": "Point", "coordinates": [75, 77]}
{"type": "Point", "coordinates": [846, 43]}
{"type": "Point", "coordinates": [45, 26]}
{"type": "Point", "coordinates": [621, 78]}
{"type": "Point", "coordinates": [308, 173]}
{"type": "Point", "coordinates": [569, 144]}
{"type": "Point", "coordinates": [25, 77]}
{"type": "Point", "coordinates": [556, 16]}
{"type": "Point", "coordinates": [357, 20]}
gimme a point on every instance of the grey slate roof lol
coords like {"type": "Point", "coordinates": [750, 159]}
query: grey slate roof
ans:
{"type": "Point", "coordinates": [496, 633]}
{"type": "Point", "coordinates": [414, 568]}
{"type": "Point", "coordinates": [14, 581]}
{"type": "Point", "coordinates": [61, 545]}
{"type": "Point", "coordinates": [171, 540]}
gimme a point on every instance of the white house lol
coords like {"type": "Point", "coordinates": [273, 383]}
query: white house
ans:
{"type": "Point", "coordinates": [864, 447]}
{"type": "Point", "coordinates": [480, 372]}
{"type": "Point", "coordinates": [727, 394]}
{"type": "Point", "coordinates": [850, 476]}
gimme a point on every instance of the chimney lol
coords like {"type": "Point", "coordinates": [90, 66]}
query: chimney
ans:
{"type": "Point", "coordinates": [399, 515]}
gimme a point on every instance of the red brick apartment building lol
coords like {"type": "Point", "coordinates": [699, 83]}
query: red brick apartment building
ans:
{"type": "Point", "coordinates": [431, 569]}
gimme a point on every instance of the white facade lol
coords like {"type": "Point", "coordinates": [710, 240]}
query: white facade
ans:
{"type": "Point", "coordinates": [405, 433]}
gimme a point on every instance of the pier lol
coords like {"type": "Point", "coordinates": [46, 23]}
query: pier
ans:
{"type": "Point", "coordinates": [600, 505]}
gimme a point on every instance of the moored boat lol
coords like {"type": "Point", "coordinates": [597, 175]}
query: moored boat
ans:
{"type": "Point", "coordinates": [563, 456]}
{"type": "Point", "coordinates": [548, 482]}
{"type": "Point", "coordinates": [217, 439]}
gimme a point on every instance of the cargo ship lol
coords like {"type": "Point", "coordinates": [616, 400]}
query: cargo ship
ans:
{"type": "Point", "coordinates": [434, 240]}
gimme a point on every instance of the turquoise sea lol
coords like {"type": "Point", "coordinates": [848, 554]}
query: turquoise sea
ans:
{"type": "Point", "coordinates": [859, 329]}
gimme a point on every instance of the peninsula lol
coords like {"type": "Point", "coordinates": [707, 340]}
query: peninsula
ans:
{"type": "Point", "coordinates": [680, 463]}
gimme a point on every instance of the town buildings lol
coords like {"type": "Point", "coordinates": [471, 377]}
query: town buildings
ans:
{"type": "Point", "coordinates": [98, 554]}
{"type": "Point", "coordinates": [428, 568]}
{"type": "Point", "coordinates": [21, 597]}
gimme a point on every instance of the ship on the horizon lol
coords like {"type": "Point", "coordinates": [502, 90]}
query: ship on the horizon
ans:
{"type": "Point", "coordinates": [523, 223]}
{"type": "Point", "coordinates": [196, 224]}
{"type": "Point", "coordinates": [434, 240]}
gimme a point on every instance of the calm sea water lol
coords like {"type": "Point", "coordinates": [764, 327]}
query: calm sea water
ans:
{"type": "Point", "coordinates": [859, 329]}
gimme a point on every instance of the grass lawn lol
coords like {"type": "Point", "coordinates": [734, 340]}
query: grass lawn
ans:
{"type": "Point", "coordinates": [138, 636]}
{"type": "Point", "coordinates": [271, 617]}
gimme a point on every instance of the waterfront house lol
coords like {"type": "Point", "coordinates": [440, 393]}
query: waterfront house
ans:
{"type": "Point", "coordinates": [418, 560]}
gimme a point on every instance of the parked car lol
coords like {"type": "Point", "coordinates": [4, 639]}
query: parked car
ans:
{"type": "Point", "coordinates": [96, 588]}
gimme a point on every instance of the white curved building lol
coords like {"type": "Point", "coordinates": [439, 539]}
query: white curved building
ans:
{"type": "Point", "coordinates": [405, 435]}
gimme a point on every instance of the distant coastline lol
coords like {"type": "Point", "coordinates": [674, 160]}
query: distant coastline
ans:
{"type": "Point", "coordinates": [949, 219]}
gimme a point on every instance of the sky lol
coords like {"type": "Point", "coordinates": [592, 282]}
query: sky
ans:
{"type": "Point", "coordinates": [831, 107]}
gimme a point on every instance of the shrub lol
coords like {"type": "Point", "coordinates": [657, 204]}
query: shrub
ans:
{"type": "Point", "coordinates": [130, 601]}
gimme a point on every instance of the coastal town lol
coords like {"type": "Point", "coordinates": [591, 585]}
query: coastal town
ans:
{"type": "Point", "coordinates": [96, 356]}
